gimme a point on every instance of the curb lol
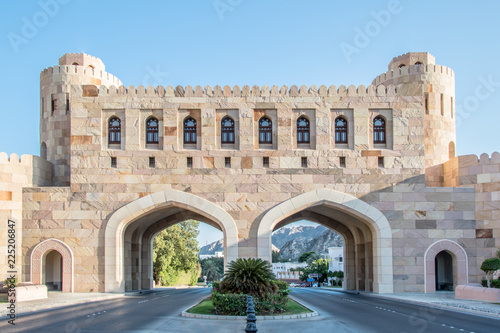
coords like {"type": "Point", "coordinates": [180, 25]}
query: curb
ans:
{"type": "Point", "coordinates": [314, 313]}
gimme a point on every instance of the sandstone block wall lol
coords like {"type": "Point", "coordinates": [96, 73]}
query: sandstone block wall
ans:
{"type": "Point", "coordinates": [15, 174]}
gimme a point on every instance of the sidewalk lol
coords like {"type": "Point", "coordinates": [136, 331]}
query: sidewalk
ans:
{"type": "Point", "coordinates": [58, 299]}
{"type": "Point", "coordinates": [442, 299]}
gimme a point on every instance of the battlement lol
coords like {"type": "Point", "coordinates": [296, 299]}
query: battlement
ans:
{"type": "Point", "coordinates": [412, 58]}
{"type": "Point", "coordinates": [484, 159]}
{"type": "Point", "coordinates": [80, 70]}
{"type": "Point", "coordinates": [246, 91]}
{"type": "Point", "coordinates": [82, 59]}
{"type": "Point", "coordinates": [413, 70]}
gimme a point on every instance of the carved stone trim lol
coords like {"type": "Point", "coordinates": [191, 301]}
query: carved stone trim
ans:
{"type": "Point", "coordinates": [67, 262]}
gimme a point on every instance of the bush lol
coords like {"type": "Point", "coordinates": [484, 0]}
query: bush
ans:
{"type": "Point", "coordinates": [236, 305]}
{"type": "Point", "coordinates": [249, 276]}
{"type": "Point", "coordinates": [490, 266]}
{"type": "Point", "coordinates": [334, 283]}
{"type": "Point", "coordinates": [339, 283]}
{"type": "Point", "coordinates": [229, 304]}
{"type": "Point", "coordinates": [484, 283]}
{"type": "Point", "coordinates": [495, 283]}
{"type": "Point", "coordinates": [282, 285]}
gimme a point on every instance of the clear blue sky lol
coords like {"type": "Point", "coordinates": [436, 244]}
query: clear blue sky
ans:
{"type": "Point", "coordinates": [249, 42]}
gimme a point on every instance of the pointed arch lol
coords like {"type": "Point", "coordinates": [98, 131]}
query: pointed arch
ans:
{"type": "Point", "coordinates": [460, 263]}
{"type": "Point", "coordinates": [67, 262]}
{"type": "Point", "coordinates": [153, 204]}
{"type": "Point", "coordinates": [349, 205]}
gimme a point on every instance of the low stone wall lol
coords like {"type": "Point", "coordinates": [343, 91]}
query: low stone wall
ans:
{"type": "Point", "coordinates": [477, 293]}
{"type": "Point", "coordinates": [30, 293]}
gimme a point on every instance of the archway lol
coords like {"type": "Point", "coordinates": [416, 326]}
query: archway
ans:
{"type": "Point", "coordinates": [130, 231]}
{"type": "Point", "coordinates": [444, 271]}
{"type": "Point", "coordinates": [43, 258]}
{"type": "Point", "coordinates": [52, 267]}
{"type": "Point", "coordinates": [459, 263]}
{"type": "Point", "coordinates": [366, 232]}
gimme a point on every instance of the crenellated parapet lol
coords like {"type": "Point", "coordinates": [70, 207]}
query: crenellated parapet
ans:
{"type": "Point", "coordinates": [394, 75]}
{"type": "Point", "coordinates": [247, 91]}
{"type": "Point", "coordinates": [99, 77]}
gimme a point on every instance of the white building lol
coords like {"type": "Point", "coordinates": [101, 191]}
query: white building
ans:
{"type": "Point", "coordinates": [282, 270]}
{"type": "Point", "coordinates": [217, 254]}
{"type": "Point", "coordinates": [336, 256]}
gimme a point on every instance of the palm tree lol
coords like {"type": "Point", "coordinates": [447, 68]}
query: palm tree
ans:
{"type": "Point", "coordinates": [249, 276]}
{"type": "Point", "coordinates": [211, 270]}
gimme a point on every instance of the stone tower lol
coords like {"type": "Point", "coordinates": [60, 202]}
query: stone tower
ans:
{"type": "Point", "coordinates": [416, 74]}
{"type": "Point", "coordinates": [55, 109]}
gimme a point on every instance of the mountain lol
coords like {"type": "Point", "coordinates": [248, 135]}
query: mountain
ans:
{"type": "Point", "coordinates": [284, 235]}
{"type": "Point", "coordinates": [295, 247]}
{"type": "Point", "coordinates": [292, 242]}
{"type": "Point", "coordinates": [212, 247]}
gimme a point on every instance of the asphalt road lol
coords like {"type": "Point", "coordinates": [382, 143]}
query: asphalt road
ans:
{"type": "Point", "coordinates": [339, 312]}
{"type": "Point", "coordinates": [144, 313]}
{"type": "Point", "coordinates": [364, 313]}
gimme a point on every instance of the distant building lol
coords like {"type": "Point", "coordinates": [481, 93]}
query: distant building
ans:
{"type": "Point", "coordinates": [336, 254]}
{"type": "Point", "coordinates": [282, 271]}
{"type": "Point", "coordinates": [217, 254]}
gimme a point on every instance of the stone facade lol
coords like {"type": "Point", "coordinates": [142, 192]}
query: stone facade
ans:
{"type": "Point", "coordinates": [395, 203]}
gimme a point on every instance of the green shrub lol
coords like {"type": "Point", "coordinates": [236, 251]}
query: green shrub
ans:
{"type": "Point", "coordinates": [334, 283]}
{"type": "Point", "coordinates": [484, 283]}
{"type": "Point", "coordinates": [282, 285]}
{"type": "Point", "coordinates": [229, 304]}
{"type": "Point", "coordinates": [490, 266]}
{"type": "Point", "coordinates": [339, 283]}
{"type": "Point", "coordinates": [495, 283]}
{"type": "Point", "coordinates": [249, 276]}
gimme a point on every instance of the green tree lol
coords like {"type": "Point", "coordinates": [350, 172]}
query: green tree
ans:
{"type": "Point", "coordinates": [276, 256]}
{"type": "Point", "coordinates": [490, 266]}
{"type": "Point", "coordinates": [305, 257]}
{"type": "Point", "coordinates": [175, 250]}
{"type": "Point", "coordinates": [249, 276]}
{"type": "Point", "coordinates": [212, 268]}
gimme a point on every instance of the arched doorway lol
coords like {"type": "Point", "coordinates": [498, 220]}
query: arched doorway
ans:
{"type": "Point", "coordinates": [52, 263]}
{"type": "Point", "coordinates": [52, 266]}
{"type": "Point", "coordinates": [131, 229]}
{"type": "Point", "coordinates": [438, 266]}
{"type": "Point", "coordinates": [366, 232]}
{"type": "Point", "coordinates": [444, 271]}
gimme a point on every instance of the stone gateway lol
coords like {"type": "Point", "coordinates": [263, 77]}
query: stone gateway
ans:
{"type": "Point", "coordinates": [376, 164]}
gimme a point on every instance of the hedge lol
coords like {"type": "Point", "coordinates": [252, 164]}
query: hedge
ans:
{"type": "Point", "coordinates": [236, 305]}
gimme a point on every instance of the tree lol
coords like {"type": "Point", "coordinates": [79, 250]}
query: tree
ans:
{"type": "Point", "coordinates": [276, 256]}
{"type": "Point", "coordinates": [249, 276]}
{"type": "Point", "coordinates": [212, 268]}
{"type": "Point", "coordinates": [490, 266]}
{"type": "Point", "coordinates": [175, 250]}
{"type": "Point", "coordinates": [305, 257]}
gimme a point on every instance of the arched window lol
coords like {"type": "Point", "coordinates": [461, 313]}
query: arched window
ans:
{"type": "Point", "coordinates": [378, 130]}
{"type": "Point", "coordinates": [227, 130]}
{"type": "Point", "coordinates": [418, 63]}
{"type": "Point", "coordinates": [114, 130]}
{"type": "Point", "coordinates": [43, 150]}
{"type": "Point", "coordinates": [189, 131]}
{"type": "Point", "coordinates": [265, 130]}
{"type": "Point", "coordinates": [340, 130]}
{"type": "Point", "coordinates": [303, 130]}
{"type": "Point", "coordinates": [92, 69]}
{"type": "Point", "coordinates": [152, 130]}
{"type": "Point", "coordinates": [402, 65]}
